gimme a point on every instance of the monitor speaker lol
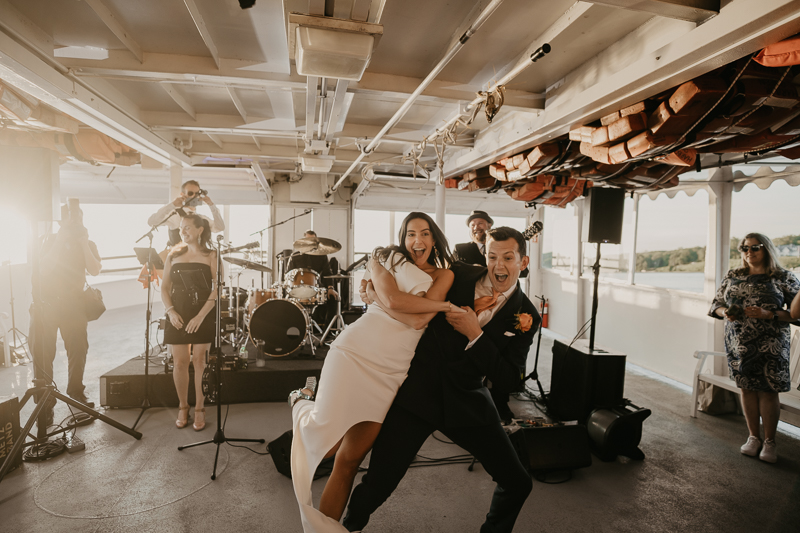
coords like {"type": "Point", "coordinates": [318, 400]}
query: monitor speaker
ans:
{"type": "Point", "coordinates": [582, 380]}
{"type": "Point", "coordinates": [549, 448]}
{"type": "Point", "coordinates": [281, 452]}
{"type": "Point", "coordinates": [602, 216]}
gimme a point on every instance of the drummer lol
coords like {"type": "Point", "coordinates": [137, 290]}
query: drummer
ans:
{"type": "Point", "coordinates": [318, 263]}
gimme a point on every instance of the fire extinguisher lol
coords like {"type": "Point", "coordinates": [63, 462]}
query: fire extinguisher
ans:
{"type": "Point", "coordinates": [545, 312]}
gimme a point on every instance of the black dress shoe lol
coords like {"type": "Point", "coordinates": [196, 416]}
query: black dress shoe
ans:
{"type": "Point", "coordinates": [352, 523]}
{"type": "Point", "coordinates": [84, 400]}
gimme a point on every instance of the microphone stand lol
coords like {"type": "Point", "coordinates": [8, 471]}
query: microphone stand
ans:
{"type": "Point", "coordinates": [219, 436]}
{"type": "Point", "coordinates": [148, 315]}
{"type": "Point", "coordinates": [534, 375]}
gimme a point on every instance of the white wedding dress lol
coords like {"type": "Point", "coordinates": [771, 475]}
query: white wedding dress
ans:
{"type": "Point", "coordinates": [365, 366]}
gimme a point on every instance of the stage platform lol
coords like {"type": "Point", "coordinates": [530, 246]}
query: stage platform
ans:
{"type": "Point", "coordinates": [124, 386]}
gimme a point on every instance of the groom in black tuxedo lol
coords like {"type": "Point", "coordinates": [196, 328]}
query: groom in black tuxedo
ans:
{"type": "Point", "coordinates": [445, 388]}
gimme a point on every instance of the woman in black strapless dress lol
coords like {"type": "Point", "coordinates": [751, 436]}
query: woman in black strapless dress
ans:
{"type": "Point", "coordinates": [189, 296]}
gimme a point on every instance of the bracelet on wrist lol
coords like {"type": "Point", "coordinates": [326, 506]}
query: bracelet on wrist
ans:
{"type": "Point", "coordinates": [170, 308]}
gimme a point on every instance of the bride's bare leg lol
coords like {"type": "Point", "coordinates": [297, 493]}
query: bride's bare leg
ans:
{"type": "Point", "coordinates": [355, 445]}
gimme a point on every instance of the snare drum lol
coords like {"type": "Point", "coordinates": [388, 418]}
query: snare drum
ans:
{"type": "Point", "coordinates": [302, 285]}
{"type": "Point", "coordinates": [233, 300]}
{"type": "Point", "coordinates": [281, 326]}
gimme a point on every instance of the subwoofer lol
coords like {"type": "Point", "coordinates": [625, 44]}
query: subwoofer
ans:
{"type": "Point", "coordinates": [550, 448]}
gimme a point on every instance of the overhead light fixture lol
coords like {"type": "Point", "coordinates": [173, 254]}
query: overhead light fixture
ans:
{"type": "Point", "coordinates": [82, 52]}
{"type": "Point", "coordinates": [331, 48]}
{"type": "Point", "coordinates": [317, 163]}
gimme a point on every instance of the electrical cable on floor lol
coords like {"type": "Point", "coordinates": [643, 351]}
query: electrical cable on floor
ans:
{"type": "Point", "coordinates": [441, 440]}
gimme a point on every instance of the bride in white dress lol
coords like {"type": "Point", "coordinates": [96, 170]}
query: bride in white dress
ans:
{"type": "Point", "coordinates": [365, 367]}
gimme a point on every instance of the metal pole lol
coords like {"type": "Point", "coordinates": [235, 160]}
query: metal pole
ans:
{"type": "Point", "coordinates": [422, 86]}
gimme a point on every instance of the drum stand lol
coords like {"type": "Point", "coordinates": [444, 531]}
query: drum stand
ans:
{"type": "Point", "coordinates": [337, 322]}
{"type": "Point", "coordinates": [219, 436]}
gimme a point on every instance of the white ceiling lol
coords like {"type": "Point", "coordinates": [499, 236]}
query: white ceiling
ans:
{"type": "Point", "coordinates": [182, 90]}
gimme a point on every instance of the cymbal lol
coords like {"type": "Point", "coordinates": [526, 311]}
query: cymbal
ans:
{"type": "Point", "coordinates": [316, 246]}
{"type": "Point", "coordinates": [337, 276]}
{"type": "Point", "coordinates": [247, 264]}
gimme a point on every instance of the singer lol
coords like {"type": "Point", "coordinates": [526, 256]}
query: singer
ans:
{"type": "Point", "coordinates": [191, 196]}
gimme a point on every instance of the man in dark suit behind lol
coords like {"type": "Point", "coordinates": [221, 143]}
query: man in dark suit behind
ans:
{"type": "Point", "coordinates": [474, 252]}
{"type": "Point", "coordinates": [445, 388]}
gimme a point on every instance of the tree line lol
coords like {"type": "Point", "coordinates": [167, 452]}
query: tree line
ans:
{"type": "Point", "coordinates": [693, 259]}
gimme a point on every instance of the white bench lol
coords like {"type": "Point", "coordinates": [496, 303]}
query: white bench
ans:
{"type": "Point", "coordinates": [790, 401]}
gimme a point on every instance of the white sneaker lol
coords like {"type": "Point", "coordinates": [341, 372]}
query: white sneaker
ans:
{"type": "Point", "coordinates": [769, 453]}
{"type": "Point", "coordinates": [752, 446]}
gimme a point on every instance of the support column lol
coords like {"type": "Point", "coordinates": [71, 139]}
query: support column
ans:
{"type": "Point", "coordinates": [440, 205]}
{"type": "Point", "coordinates": [175, 180]}
{"type": "Point", "coordinates": [392, 227]}
{"type": "Point", "coordinates": [720, 194]}
{"type": "Point", "coordinates": [632, 259]}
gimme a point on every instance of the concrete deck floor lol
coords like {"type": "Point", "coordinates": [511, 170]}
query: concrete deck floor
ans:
{"type": "Point", "coordinates": [693, 479]}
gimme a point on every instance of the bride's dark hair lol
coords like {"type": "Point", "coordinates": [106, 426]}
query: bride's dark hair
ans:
{"type": "Point", "coordinates": [440, 255]}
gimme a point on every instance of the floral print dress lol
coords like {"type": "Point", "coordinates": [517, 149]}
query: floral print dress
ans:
{"type": "Point", "coordinates": [758, 349]}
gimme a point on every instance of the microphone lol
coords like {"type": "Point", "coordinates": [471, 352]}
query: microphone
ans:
{"type": "Point", "coordinates": [220, 237]}
{"type": "Point", "coordinates": [307, 211]}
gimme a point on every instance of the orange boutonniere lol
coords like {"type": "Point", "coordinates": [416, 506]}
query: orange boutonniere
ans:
{"type": "Point", "coordinates": [524, 322]}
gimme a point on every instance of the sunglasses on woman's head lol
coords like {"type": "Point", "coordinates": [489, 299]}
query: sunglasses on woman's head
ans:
{"type": "Point", "coordinates": [754, 247]}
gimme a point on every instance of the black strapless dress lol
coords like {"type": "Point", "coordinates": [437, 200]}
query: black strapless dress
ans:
{"type": "Point", "coordinates": [191, 287]}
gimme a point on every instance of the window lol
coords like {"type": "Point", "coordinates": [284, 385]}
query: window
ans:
{"type": "Point", "coordinates": [14, 235]}
{"type": "Point", "coordinates": [371, 229]}
{"type": "Point", "coordinates": [559, 238]}
{"type": "Point", "coordinates": [772, 212]}
{"type": "Point", "coordinates": [671, 246]}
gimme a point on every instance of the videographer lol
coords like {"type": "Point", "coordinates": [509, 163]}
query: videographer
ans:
{"type": "Point", "coordinates": [191, 196]}
{"type": "Point", "coordinates": [64, 260]}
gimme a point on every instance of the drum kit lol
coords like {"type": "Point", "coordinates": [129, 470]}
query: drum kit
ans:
{"type": "Point", "coordinates": [278, 319]}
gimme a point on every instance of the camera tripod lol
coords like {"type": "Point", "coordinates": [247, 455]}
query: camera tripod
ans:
{"type": "Point", "coordinates": [17, 339]}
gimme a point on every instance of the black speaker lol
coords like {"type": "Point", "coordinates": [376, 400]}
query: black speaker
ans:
{"type": "Point", "coordinates": [582, 380]}
{"type": "Point", "coordinates": [9, 429]}
{"type": "Point", "coordinates": [281, 452]}
{"type": "Point", "coordinates": [602, 215]}
{"type": "Point", "coordinates": [617, 431]}
{"type": "Point", "coordinates": [543, 449]}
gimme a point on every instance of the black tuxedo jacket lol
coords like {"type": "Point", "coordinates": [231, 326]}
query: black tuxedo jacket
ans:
{"type": "Point", "coordinates": [445, 381]}
{"type": "Point", "coordinates": [470, 253]}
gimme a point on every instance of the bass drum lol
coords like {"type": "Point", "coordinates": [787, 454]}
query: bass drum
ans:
{"type": "Point", "coordinates": [279, 325]}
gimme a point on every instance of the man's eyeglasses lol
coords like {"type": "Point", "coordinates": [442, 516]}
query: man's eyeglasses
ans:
{"type": "Point", "coordinates": [754, 247]}
{"type": "Point", "coordinates": [192, 193]}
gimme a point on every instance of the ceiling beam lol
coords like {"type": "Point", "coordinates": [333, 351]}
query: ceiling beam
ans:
{"type": "Point", "coordinates": [258, 143]}
{"type": "Point", "coordinates": [561, 27]}
{"type": "Point", "coordinates": [270, 151]}
{"type": "Point", "coordinates": [311, 105]}
{"type": "Point", "coordinates": [376, 11]}
{"type": "Point", "coordinates": [21, 27]}
{"type": "Point", "coordinates": [238, 103]}
{"type": "Point", "coordinates": [115, 25]}
{"type": "Point", "coordinates": [691, 10]}
{"type": "Point", "coordinates": [360, 10]}
{"type": "Point", "coordinates": [336, 109]}
{"type": "Point", "coordinates": [342, 9]}
{"type": "Point", "coordinates": [203, 29]}
{"type": "Point", "coordinates": [594, 90]}
{"type": "Point", "coordinates": [32, 75]}
{"type": "Point", "coordinates": [215, 138]}
{"type": "Point", "coordinates": [197, 71]}
{"type": "Point", "coordinates": [180, 99]}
